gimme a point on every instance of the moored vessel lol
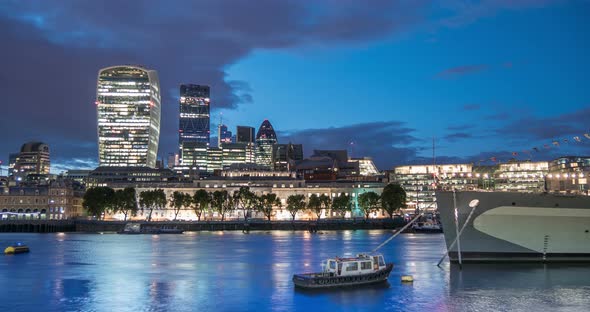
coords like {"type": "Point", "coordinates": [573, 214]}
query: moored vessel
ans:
{"type": "Point", "coordinates": [513, 226]}
{"type": "Point", "coordinates": [16, 249]}
{"type": "Point", "coordinates": [340, 272]}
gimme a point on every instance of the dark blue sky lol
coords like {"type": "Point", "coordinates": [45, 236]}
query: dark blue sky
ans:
{"type": "Point", "coordinates": [488, 78]}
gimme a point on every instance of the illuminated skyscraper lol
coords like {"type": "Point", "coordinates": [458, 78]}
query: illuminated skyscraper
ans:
{"type": "Point", "coordinates": [128, 106]}
{"type": "Point", "coordinates": [265, 139]}
{"type": "Point", "coordinates": [194, 115]}
{"type": "Point", "coordinates": [32, 159]}
{"type": "Point", "coordinates": [223, 136]}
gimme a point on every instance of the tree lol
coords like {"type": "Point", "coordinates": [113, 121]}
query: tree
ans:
{"type": "Point", "coordinates": [341, 205]}
{"type": "Point", "coordinates": [154, 199]}
{"type": "Point", "coordinates": [368, 203]}
{"type": "Point", "coordinates": [201, 201]}
{"type": "Point", "coordinates": [393, 198]}
{"type": "Point", "coordinates": [266, 202]}
{"type": "Point", "coordinates": [244, 199]}
{"type": "Point", "coordinates": [295, 203]}
{"type": "Point", "coordinates": [315, 205]}
{"type": "Point", "coordinates": [125, 202]}
{"type": "Point", "coordinates": [326, 203]}
{"type": "Point", "coordinates": [177, 201]}
{"type": "Point", "coordinates": [222, 203]}
{"type": "Point", "coordinates": [97, 200]}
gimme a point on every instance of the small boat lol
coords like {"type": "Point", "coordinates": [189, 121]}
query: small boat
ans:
{"type": "Point", "coordinates": [339, 272]}
{"type": "Point", "coordinates": [16, 249]}
{"type": "Point", "coordinates": [131, 228]}
{"type": "Point", "coordinates": [427, 227]}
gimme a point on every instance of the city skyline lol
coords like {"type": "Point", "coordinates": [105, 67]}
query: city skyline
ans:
{"type": "Point", "coordinates": [468, 74]}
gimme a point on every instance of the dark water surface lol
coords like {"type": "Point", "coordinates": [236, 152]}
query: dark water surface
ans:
{"type": "Point", "coordinates": [231, 271]}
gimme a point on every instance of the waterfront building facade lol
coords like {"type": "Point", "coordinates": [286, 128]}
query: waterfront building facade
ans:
{"type": "Point", "coordinates": [128, 109]}
{"type": "Point", "coordinates": [569, 174]}
{"type": "Point", "coordinates": [265, 139]}
{"type": "Point", "coordinates": [55, 200]}
{"type": "Point", "coordinates": [34, 158]}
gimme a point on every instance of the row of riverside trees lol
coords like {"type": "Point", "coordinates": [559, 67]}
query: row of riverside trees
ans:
{"type": "Point", "coordinates": [102, 200]}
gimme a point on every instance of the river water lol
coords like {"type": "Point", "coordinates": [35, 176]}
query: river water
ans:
{"type": "Point", "coordinates": [232, 271]}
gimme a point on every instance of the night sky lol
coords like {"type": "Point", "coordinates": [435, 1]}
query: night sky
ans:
{"type": "Point", "coordinates": [486, 79]}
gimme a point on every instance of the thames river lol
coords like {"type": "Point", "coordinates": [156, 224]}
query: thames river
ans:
{"type": "Point", "coordinates": [232, 271]}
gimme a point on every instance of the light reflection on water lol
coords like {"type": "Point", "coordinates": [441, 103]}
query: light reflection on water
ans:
{"type": "Point", "coordinates": [231, 271]}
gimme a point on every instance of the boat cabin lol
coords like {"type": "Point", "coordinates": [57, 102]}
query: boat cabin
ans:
{"type": "Point", "coordinates": [361, 264]}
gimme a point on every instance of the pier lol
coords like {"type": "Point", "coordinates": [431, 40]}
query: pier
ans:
{"type": "Point", "coordinates": [93, 226]}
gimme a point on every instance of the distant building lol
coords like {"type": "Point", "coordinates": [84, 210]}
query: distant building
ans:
{"type": "Point", "coordinates": [194, 155]}
{"type": "Point", "coordinates": [194, 115]}
{"type": "Point", "coordinates": [569, 174]}
{"type": "Point", "coordinates": [77, 175]}
{"type": "Point", "coordinates": [245, 134]}
{"type": "Point", "coordinates": [128, 107]}
{"type": "Point", "coordinates": [265, 139]}
{"type": "Point", "coordinates": [284, 156]}
{"type": "Point", "coordinates": [237, 153]}
{"type": "Point", "coordinates": [32, 159]}
{"type": "Point", "coordinates": [223, 135]}
{"type": "Point", "coordinates": [214, 159]}
{"type": "Point", "coordinates": [366, 166]}
{"type": "Point", "coordinates": [172, 160]}
{"type": "Point", "coordinates": [130, 176]}
{"type": "Point", "coordinates": [55, 200]}
{"type": "Point", "coordinates": [12, 158]}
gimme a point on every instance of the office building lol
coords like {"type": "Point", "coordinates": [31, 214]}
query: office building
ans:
{"type": "Point", "coordinates": [265, 139]}
{"type": "Point", "coordinates": [128, 107]}
{"type": "Point", "coordinates": [245, 134]}
{"type": "Point", "coordinates": [284, 156]}
{"type": "Point", "coordinates": [32, 159]}
{"type": "Point", "coordinates": [223, 135]}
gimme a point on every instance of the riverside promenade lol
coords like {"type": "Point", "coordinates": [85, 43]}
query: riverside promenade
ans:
{"type": "Point", "coordinates": [93, 226]}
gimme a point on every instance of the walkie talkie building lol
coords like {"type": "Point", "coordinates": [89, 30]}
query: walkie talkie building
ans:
{"type": "Point", "coordinates": [128, 106]}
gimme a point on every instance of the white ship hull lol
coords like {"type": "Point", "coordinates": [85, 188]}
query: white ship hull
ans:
{"type": "Point", "coordinates": [517, 226]}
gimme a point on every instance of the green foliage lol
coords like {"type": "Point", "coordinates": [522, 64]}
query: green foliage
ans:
{"type": "Point", "coordinates": [265, 204]}
{"type": "Point", "coordinates": [315, 205]}
{"type": "Point", "coordinates": [368, 202]}
{"type": "Point", "coordinates": [98, 200]}
{"type": "Point", "coordinates": [341, 205]}
{"type": "Point", "coordinates": [393, 198]}
{"type": "Point", "coordinates": [153, 199]}
{"type": "Point", "coordinates": [295, 203]}
{"type": "Point", "coordinates": [178, 201]}
{"type": "Point", "coordinates": [222, 203]}
{"type": "Point", "coordinates": [244, 199]}
{"type": "Point", "coordinates": [125, 202]}
{"type": "Point", "coordinates": [201, 201]}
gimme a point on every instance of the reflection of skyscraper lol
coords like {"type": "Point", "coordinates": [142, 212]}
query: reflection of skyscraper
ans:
{"type": "Point", "coordinates": [194, 115]}
{"type": "Point", "coordinates": [128, 106]}
{"type": "Point", "coordinates": [245, 134]}
{"type": "Point", "coordinates": [265, 139]}
{"type": "Point", "coordinates": [223, 136]}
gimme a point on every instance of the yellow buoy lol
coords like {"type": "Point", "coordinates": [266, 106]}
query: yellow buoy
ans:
{"type": "Point", "coordinates": [16, 249]}
{"type": "Point", "coordinates": [407, 279]}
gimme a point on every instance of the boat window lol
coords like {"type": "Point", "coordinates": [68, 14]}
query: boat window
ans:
{"type": "Point", "coordinates": [366, 265]}
{"type": "Point", "coordinates": [352, 266]}
{"type": "Point", "coordinates": [332, 265]}
{"type": "Point", "coordinates": [381, 262]}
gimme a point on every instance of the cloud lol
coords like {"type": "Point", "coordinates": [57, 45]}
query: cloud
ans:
{"type": "Point", "coordinates": [549, 128]}
{"type": "Point", "coordinates": [51, 54]}
{"type": "Point", "coordinates": [463, 70]}
{"type": "Point", "coordinates": [388, 142]}
{"type": "Point", "coordinates": [458, 136]}
{"type": "Point", "coordinates": [460, 127]}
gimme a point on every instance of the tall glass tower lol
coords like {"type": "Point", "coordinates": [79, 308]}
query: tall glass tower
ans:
{"type": "Point", "coordinates": [128, 106]}
{"type": "Point", "coordinates": [265, 138]}
{"type": "Point", "coordinates": [194, 115]}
